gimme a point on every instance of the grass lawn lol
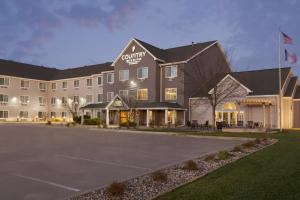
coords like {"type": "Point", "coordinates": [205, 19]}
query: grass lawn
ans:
{"type": "Point", "coordinates": [273, 173]}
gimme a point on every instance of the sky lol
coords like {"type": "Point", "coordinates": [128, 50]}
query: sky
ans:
{"type": "Point", "coordinates": [72, 33]}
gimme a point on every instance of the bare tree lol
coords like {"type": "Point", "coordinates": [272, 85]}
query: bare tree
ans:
{"type": "Point", "coordinates": [202, 79]}
{"type": "Point", "coordinates": [72, 105]}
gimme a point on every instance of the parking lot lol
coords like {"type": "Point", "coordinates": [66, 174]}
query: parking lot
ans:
{"type": "Point", "coordinates": [41, 163]}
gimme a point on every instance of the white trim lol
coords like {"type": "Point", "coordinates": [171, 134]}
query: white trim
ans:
{"type": "Point", "coordinates": [170, 99]}
{"type": "Point", "coordinates": [7, 114]}
{"type": "Point", "coordinates": [113, 99]}
{"type": "Point", "coordinates": [255, 96]}
{"type": "Point", "coordinates": [111, 92]}
{"type": "Point", "coordinates": [137, 94]}
{"type": "Point", "coordinates": [128, 44]}
{"type": "Point", "coordinates": [24, 88]}
{"type": "Point", "coordinates": [228, 75]}
{"type": "Point", "coordinates": [296, 99]}
{"type": "Point", "coordinates": [123, 70]}
{"type": "Point", "coordinates": [173, 63]}
{"type": "Point", "coordinates": [98, 76]}
{"type": "Point", "coordinates": [171, 66]}
{"type": "Point", "coordinates": [137, 73]}
{"type": "Point", "coordinates": [201, 51]}
{"type": "Point", "coordinates": [111, 82]}
{"type": "Point", "coordinates": [161, 108]}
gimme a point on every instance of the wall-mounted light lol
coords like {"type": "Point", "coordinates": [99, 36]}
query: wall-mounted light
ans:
{"type": "Point", "coordinates": [132, 83]}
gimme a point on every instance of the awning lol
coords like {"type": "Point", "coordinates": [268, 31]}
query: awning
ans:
{"type": "Point", "coordinates": [255, 102]}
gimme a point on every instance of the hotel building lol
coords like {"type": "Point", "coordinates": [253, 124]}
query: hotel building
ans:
{"type": "Point", "coordinates": [149, 80]}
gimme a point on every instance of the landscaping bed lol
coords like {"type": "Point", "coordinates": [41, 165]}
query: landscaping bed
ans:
{"type": "Point", "coordinates": [152, 185]}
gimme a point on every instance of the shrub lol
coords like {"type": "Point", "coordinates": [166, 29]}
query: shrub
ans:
{"type": "Point", "coordinates": [132, 124]}
{"type": "Point", "coordinates": [257, 141]}
{"type": "Point", "coordinates": [77, 119]}
{"type": "Point", "coordinates": [209, 157]}
{"type": "Point", "coordinates": [48, 123]}
{"type": "Point", "coordinates": [223, 155]}
{"type": "Point", "coordinates": [188, 123]}
{"type": "Point", "coordinates": [248, 144]}
{"type": "Point", "coordinates": [237, 149]}
{"type": "Point", "coordinates": [151, 123]}
{"type": "Point", "coordinates": [159, 176]}
{"type": "Point", "coordinates": [116, 189]}
{"type": "Point", "coordinates": [70, 124]}
{"type": "Point", "coordinates": [190, 165]}
{"type": "Point", "coordinates": [94, 121]}
{"type": "Point", "coordinates": [124, 124]}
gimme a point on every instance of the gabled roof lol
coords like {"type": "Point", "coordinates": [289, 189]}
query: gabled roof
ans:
{"type": "Point", "coordinates": [22, 70]}
{"type": "Point", "coordinates": [291, 86]}
{"type": "Point", "coordinates": [260, 82]}
{"type": "Point", "coordinates": [176, 54]}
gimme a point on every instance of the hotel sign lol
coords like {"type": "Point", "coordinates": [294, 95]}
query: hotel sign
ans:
{"type": "Point", "coordinates": [134, 57]}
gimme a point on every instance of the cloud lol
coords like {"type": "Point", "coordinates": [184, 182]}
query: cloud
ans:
{"type": "Point", "coordinates": [27, 25]}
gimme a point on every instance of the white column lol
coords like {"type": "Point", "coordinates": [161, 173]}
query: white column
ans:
{"type": "Point", "coordinates": [173, 117]}
{"type": "Point", "coordinates": [82, 117]}
{"type": "Point", "coordinates": [264, 115]}
{"type": "Point", "coordinates": [270, 116]}
{"type": "Point", "coordinates": [107, 117]}
{"type": "Point", "coordinates": [147, 118]}
{"type": "Point", "coordinates": [184, 117]}
{"type": "Point", "coordinates": [166, 117]}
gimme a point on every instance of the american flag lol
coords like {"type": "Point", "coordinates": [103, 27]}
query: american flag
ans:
{"type": "Point", "coordinates": [290, 57]}
{"type": "Point", "coordinates": [287, 39]}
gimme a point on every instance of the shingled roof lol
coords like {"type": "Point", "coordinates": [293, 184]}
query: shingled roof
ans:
{"type": "Point", "coordinates": [176, 54]}
{"type": "Point", "coordinates": [291, 86]}
{"type": "Point", "coordinates": [297, 93]}
{"type": "Point", "coordinates": [260, 82]}
{"type": "Point", "coordinates": [22, 70]}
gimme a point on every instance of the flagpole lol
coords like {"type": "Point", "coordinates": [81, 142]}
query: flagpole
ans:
{"type": "Point", "coordinates": [279, 74]}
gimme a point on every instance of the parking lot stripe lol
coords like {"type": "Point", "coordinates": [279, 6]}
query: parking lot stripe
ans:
{"type": "Point", "coordinates": [47, 182]}
{"type": "Point", "coordinates": [102, 162]}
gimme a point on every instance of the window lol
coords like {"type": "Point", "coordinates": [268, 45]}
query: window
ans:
{"type": "Point", "coordinates": [76, 99]}
{"type": "Point", "coordinates": [42, 86]}
{"type": "Point", "coordinates": [23, 114]}
{"type": "Point", "coordinates": [63, 114]}
{"type": "Point", "coordinates": [53, 86]}
{"type": "Point", "coordinates": [24, 84]}
{"type": "Point", "coordinates": [64, 100]}
{"type": "Point", "coordinates": [3, 114]}
{"type": "Point", "coordinates": [124, 75]}
{"type": "Point", "coordinates": [89, 98]}
{"type": "Point", "coordinates": [4, 81]}
{"type": "Point", "coordinates": [42, 101]}
{"type": "Point", "coordinates": [100, 80]}
{"type": "Point", "coordinates": [170, 94]}
{"type": "Point", "coordinates": [110, 96]}
{"type": "Point", "coordinates": [3, 98]}
{"type": "Point", "coordinates": [65, 85]}
{"type": "Point", "coordinates": [171, 71]}
{"type": "Point", "coordinates": [42, 114]}
{"type": "Point", "coordinates": [123, 93]}
{"type": "Point", "coordinates": [100, 98]}
{"type": "Point", "coordinates": [142, 72]}
{"type": "Point", "coordinates": [53, 114]}
{"type": "Point", "coordinates": [89, 82]}
{"type": "Point", "coordinates": [24, 100]}
{"type": "Point", "coordinates": [142, 94]}
{"type": "Point", "coordinates": [76, 84]}
{"type": "Point", "coordinates": [110, 78]}
{"type": "Point", "coordinates": [53, 100]}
